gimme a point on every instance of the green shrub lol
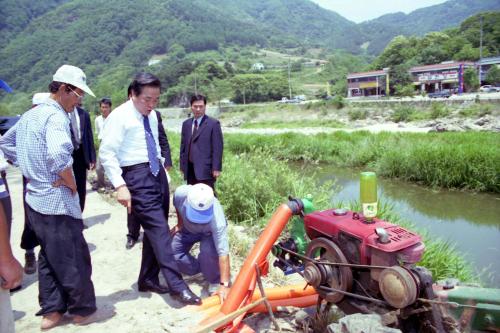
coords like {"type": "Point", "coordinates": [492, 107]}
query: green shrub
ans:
{"type": "Point", "coordinates": [403, 113]}
{"type": "Point", "coordinates": [337, 102]}
{"type": "Point", "coordinates": [257, 184]}
{"type": "Point", "coordinates": [357, 114]}
{"type": "Point", "coordinates": [439, 110]}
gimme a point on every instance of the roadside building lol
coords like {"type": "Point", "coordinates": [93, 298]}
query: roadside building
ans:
{"type": "Point", "coordinates": [446, 75]}
{"type": "Point", "coordinates": [485, 65]}
{"type": "Point", "coordinates": [373, 83]}
{"type": "Point", "coordinates": [258, 66]}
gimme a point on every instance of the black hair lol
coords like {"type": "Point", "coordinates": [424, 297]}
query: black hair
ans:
{"type": "Point", "coordinates": [54, 86]}
{"type": "Point", "coordinates": [142, 80]}
{"type": "Point", "coordinates": [105, 100]}
{"type": "Point", "coordinates": [198, 97]}
{"type": "Point", "coordinates": [129, 90]}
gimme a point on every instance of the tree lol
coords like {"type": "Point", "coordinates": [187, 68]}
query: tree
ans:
{"type": "Point", "coordinates": [471, 81]}
{"type": "Point", "coordinates": [493, 75]}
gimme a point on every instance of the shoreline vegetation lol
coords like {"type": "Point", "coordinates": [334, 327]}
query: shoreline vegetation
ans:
{"type": "Point", "coordinates": [465, 161]}
{"type": "Point", "coordinates": [257, 178]}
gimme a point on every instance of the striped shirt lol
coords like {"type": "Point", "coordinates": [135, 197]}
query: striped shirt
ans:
{"type": "Point", "coordinates": [40, 143]}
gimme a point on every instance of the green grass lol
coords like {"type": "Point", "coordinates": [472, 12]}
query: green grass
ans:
{"type": "Point", "coordinates": [294, 124]}
{"type": "Point", "coordinates": [451, 160]}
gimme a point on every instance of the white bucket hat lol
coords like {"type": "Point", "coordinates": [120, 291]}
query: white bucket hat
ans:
{"type": "Point", "coordinates": [200, 204]}
{"type": "Point", "coordinates": [74, 76]}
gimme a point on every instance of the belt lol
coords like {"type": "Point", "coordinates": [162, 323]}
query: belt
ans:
{"type": "Point", "coordinates": [135, 166]}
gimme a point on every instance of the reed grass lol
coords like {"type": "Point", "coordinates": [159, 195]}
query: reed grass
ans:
{"type": "Point", "coordinates": [451, 160]}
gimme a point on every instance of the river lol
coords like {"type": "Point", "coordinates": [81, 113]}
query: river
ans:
{"type": "Point", "coordinates": [469, 220]}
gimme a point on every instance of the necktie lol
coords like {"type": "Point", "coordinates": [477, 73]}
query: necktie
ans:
{"type": "Point", "coordinates": [75, 133]}
{"type": "Point", "coordinates": [154, 163]}
{"type": "Point", "coordinates": [195, 129]}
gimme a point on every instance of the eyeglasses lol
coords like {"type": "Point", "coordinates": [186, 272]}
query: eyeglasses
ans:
{"type": "Point", "coordinates": [77, 94]}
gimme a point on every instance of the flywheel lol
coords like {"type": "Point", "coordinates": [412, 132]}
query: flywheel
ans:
{"type": "Point", "coordinates": [331, 276]}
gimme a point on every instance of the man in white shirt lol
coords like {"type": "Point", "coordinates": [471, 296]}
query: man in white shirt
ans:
{"type": "Point", "coordinates": [105, 107]}
{"type": "Point", "coordinates": [130, 154]}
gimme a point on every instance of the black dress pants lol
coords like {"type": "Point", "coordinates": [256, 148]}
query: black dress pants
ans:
{"type": "Point", "coordinates": [149, 194]}
{"type": "Point", "coordinates": [192, 180]}
{"type": "Point", "coordinates": [80, 171]}
{"type": "Point", "coordinates": [28, 238]}
{"type": "Point", "coordinates": [64, 266]}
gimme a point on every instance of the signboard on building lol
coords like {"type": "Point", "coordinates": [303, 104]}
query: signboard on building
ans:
{"type": "Point", "coordinates": [449, 75]}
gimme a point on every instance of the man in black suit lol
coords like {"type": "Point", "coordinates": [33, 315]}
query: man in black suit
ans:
{"type": "Point", "coordinates": [201, 146]}
{"type": "Point", "coordinates": [84, 151]}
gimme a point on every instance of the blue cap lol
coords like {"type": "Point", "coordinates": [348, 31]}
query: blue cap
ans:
{"type": "Point", "coordinates": [200, 204]}
{"type": "Point", "coordinates": [199, 216]}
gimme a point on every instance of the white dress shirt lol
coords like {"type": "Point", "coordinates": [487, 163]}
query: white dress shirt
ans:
{"type": "Point", "coordinates": [99, 125]}
{"type": "Point", "coordinates": [124, 141]}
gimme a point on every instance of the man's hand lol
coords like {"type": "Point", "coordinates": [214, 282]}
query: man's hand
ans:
{"type": "Point", "coordinates": [216, 173]}
{"type": "Point", "coordinates": [91, 166]}
{"type": "Point", "coordinates": [11, 273]}
{"type": "Point", "coordinates": [223, 291]}
{"type": "Point", "coordinates": [61, 182]}
{"type": "Point", "coordinates": [123, 197]}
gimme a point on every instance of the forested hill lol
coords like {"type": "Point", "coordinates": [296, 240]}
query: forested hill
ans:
{"type": "Point", "coordinates": [421, 21]}
{"type": "Point", "coordinates": [17, 14]}
{"type": "Point", "coordinates": [108, 37]}
{"type": "Point", "coordinates": [102, 33]}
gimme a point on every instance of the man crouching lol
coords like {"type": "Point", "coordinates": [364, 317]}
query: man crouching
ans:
{"type": "Point", "coordinates": [201, 219]}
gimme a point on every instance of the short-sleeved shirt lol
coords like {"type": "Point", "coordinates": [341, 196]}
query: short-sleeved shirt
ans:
{"type": "Point", "coordinates": [217, 225]}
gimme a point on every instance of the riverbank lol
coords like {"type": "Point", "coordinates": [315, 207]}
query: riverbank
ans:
{"type": "Point", "coordinates": [451, 160]}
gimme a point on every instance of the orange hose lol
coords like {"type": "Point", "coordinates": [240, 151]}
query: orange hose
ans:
{"type": "Point", "coordinates": [291, 291]}
{"type": "Point", "coordinates": [299, 302]}
{"type": "Point", "coordinates": [257, 255]}
{"type": "Point", "coordinates": [244, 283]}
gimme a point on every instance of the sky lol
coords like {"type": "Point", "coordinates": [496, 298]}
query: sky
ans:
{"type": "Point", "coordinates": [363, 10]}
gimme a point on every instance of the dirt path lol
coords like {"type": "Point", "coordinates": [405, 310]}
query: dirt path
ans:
{"type": "Point", "coordinates": [115, 272]}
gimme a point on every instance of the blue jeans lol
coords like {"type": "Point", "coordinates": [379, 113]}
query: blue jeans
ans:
{"type": "Point", "coordinates": [208, 260]}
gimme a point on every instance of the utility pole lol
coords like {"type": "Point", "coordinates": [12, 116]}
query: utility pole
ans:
{"type": "Point", "coordinates": [195, 84]}
{"type": "Point", "coordinates": [480, 47]}
{"type": "Point", "coordinates": [289, 84]}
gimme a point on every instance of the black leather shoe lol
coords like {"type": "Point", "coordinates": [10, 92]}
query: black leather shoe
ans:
{"type": "Point", "coordinates": [130, 243]}
{"type": "Point", "coordinates": [187, 297]}
{"type": "Point", "coordinates": [154, 288]}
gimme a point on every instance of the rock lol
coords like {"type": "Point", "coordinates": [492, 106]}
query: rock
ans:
{"type": "Point", "coordinates": [446, 127]}
{"type": "Point", "coordinates": [482, 121]}
{"type": "Point", "coordinates": [300, 317]}
{"type": "Point", "coordinates": [361, 323]}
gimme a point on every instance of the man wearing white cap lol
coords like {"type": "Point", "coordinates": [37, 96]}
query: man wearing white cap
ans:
{"type": "Point", "coordinates": [201, 219]}
{"type": "Point", "coordinates": [41, 145]}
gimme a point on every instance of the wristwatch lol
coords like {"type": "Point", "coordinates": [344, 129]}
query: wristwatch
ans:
{"type": "Point", "coordinates": [225, 284]}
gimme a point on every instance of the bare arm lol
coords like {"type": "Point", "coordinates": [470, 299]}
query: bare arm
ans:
{"type": "Point", "coordinates": [67, 179]}
{"type": "Point", "coordinates": [224, 267]}
{"type": "Point", "coordinates": [11, 272]}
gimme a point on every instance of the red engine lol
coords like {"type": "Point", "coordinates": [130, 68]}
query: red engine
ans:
{"type": "Point", "coordinates": [377, 243]}
{"type": "Point", "coordinates": [370, 261]}
{"type": "Point", "coordinates": [364, 267]}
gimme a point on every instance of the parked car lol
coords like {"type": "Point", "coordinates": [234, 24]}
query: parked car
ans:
{"type": "Point", "coordinates": [445, 93]}
{"type": "Point", "coordinates": [487, 88]}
